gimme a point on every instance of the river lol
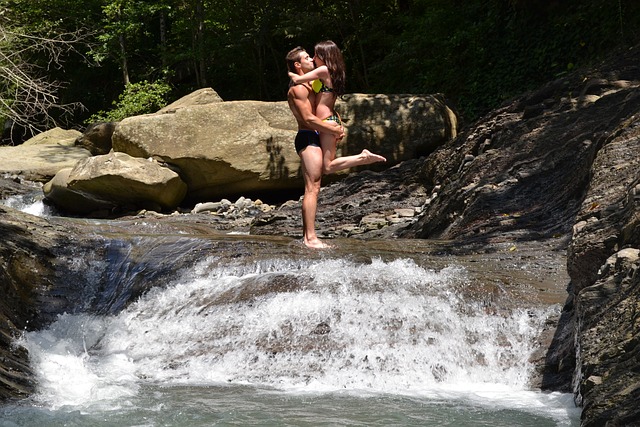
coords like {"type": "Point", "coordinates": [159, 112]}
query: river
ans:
{"type": "Point", "coordinates": [264, 332]}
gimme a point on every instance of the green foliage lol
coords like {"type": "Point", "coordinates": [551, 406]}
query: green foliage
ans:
{"type": "Point", "coordinates": [481, 53]}
{"type": "Point", "coordinates": [138, 98]}
{"type": "Point", "coordinates": [478, 53]}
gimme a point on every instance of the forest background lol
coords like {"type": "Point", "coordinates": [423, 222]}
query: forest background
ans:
{"type": "Point", "coordinates": [72, 62]}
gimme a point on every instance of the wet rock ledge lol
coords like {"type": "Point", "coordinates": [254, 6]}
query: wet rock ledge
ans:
{"type": "Point", "coordinates": [30, 271]}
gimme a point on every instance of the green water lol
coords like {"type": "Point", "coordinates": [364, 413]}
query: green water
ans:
{"type": "Point", "coordinates": [248, 406]}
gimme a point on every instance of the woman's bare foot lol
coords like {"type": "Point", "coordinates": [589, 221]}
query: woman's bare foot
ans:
{"type": "Point", "coordinates": [368, 157]}
{"type": "Point", "coordinates": [315, 244]}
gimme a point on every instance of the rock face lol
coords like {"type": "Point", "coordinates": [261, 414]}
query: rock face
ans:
{"type": "Point", "coordinates": [115, 181]}
{"type": "Point", "coordinates": [608, 333]}
{"type": "Point", "coordinates": [562, 161]}
{"type": "Point", "coordinates": [550, 164]}
{"type": "Point", "coordinates": [609, 217]}
{"type": "Point", "coordinates": [605, 269]}
{"type": "Point", "coordinates": [225, 149]}
{"type": "Point", "coordinates": [31, 264]}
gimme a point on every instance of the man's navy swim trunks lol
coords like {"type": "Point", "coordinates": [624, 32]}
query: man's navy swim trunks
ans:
{"type": "Point", "coordinates": [305, 138]}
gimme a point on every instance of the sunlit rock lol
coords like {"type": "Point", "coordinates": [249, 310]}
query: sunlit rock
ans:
{"type": "Point", "coordinates": [57, 136]}
{"type": "Point", "coordinates": [115, 181]}
{"type": "Point", "coordinates": [39, 162]}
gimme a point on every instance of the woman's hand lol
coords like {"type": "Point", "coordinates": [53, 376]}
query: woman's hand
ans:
{"type": "Point", "coordinates": [342, 134]}
{"type": "Point", "coordinates": [338, 131]}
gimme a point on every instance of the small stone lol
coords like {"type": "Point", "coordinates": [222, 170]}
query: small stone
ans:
{"type": "Point", "coordinates": [404, 212]}
{"type": "Point", "coordinates": [577, 228]}
{"type": "Point", "coordinates": [590, 383]}
{"type": "Point", "coordinates": [243, 203]}
{"type": "Point", "coordinates": [206, 207]}
{"type": "Point", "coordinates": [394, 219]}
{"type": "Point", "coordinates": [373, 222]}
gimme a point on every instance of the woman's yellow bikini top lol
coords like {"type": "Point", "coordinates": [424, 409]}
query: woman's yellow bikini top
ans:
{"type": "Point", "coordinates": [318, 86]}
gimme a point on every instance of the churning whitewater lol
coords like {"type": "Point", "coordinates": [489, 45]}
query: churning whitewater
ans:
{"type": "Point", "coordinates": [305, 326]}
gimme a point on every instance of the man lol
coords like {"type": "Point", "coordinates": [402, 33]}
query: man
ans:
{"type": "Point", "coordinates": [301, 100]}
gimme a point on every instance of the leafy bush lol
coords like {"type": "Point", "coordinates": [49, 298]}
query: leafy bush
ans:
{"type": "Point", "coordinates": [138, 98]}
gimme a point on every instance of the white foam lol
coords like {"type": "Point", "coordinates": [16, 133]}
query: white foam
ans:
{"type": "Point", "coordinates": [394, 328]}
{"type": "Point", "coordinates": [69, 375]}
{"type": "Point", "coordinates": [27, 204]}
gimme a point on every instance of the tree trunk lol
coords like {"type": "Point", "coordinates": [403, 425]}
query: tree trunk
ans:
{"type": "Point", "coordinates": [355, 18]}
{"type": "Point", "coordinates": [163, 39]}
{"type": "Point", "coordinates": [201, 63]}
{"type": "Point", "coordinates": [125, 64]}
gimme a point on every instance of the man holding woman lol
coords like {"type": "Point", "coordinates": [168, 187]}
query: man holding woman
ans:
{"type": "Point", "coordinates": [312, 96]}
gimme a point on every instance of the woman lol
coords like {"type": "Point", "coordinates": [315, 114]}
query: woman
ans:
{"type": "Point", "coordinates": [328, 81]}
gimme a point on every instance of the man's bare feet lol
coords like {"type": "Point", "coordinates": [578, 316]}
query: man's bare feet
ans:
{"type": "Point", "coordinates": [368, 157]}
{"type": "Point", "coordinates": [315, 244]}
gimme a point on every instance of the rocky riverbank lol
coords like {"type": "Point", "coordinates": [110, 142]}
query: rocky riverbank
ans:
{"type": "Point", "coordinates": [555, 171]}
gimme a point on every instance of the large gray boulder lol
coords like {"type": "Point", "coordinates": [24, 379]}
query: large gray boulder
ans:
{"type": "Point", "coordinates": [115, 182]}
{"type": "Point", "coordinates": [39, 162]}
{"type": "Point", "coordinates": [220, 149]}
{"type": "Point", "coordinates": [56, 136]}
{"type": "Point", "coordinates": [202, 96]}
{"type": "Point", "coordinates": [400, 127]}
{"type": "Point", "coordinates": [225, 149]}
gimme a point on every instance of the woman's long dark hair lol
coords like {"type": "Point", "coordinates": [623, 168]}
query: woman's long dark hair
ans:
{"type": "Point", "coordinates": [329, 52]}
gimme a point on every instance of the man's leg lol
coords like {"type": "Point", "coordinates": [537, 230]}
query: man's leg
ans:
{"type": "Point", "coordinates": [311, 158]}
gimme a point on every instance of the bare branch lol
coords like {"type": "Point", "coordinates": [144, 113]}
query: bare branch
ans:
{"type": "Point", "coordinates": [27, 97]}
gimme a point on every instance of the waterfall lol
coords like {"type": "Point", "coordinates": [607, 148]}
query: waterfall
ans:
{"type": "Point", "coordinates": [309, 325]}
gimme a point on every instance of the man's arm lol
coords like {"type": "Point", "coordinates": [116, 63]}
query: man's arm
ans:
{"type": "Point", "coordinates": [298, 96]}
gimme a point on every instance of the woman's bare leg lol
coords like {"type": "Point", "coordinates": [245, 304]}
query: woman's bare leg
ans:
{"type": "Point", "coordinates": [331, 164]}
